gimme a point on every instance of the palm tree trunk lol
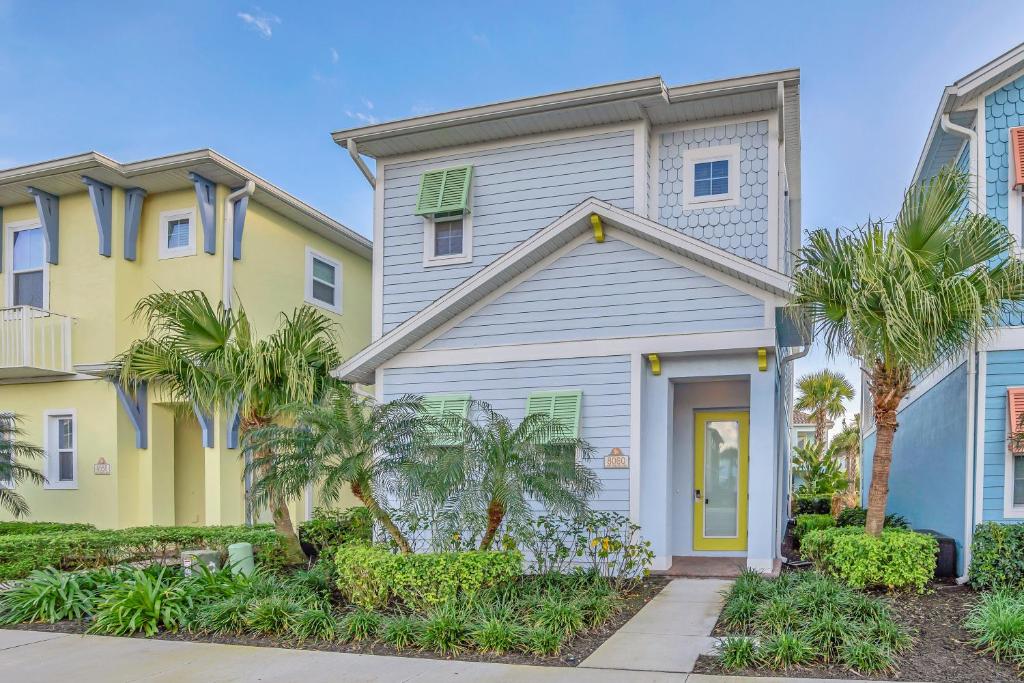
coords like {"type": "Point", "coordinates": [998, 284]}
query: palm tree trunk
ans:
{"type": "Point", "coordinates": [364, 494]}
{"type": "Point", "coordinates": [495, 514]}
{"type": "Point", "coordinates": [888, 388]}
{"type": "Point", "coordinates": [278, 506]}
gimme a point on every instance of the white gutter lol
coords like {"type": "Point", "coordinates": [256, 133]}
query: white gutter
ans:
{"type": "Point", "coordinates": [353, 151]}
{"type": "Point", "coordinates": [229, 240]}
{"type": "Point", "coordinates": [972, 142]}
{"type": "Point", "coordinates": [969, 470]}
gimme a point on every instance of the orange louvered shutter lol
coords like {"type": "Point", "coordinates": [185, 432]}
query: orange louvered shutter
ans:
{"type": "Point", "coordinates": [1014, 411]}
{"type": "Point", "coordinates": [1017, 155]}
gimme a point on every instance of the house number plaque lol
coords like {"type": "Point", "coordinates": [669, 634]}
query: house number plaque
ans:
{"type": "Point", "coordinates": [616, 460]}
{"type": "Point", "coordinates": [102, 467]}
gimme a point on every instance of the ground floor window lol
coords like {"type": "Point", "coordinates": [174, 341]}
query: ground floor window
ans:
{"type": "Point", "coordinates": [61, 450]}
{"type": "Point", "coordinates": [1018, 481]}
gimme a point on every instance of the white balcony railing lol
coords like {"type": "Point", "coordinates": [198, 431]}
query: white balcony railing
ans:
{"type": "Point", "coordinates": [34, 342]}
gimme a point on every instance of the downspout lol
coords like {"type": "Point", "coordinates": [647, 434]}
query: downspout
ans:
{"type": "Point", "coordinates": [972, 380]}
{"type": "Point", "coordinates": [229, 240]}
{"type": "Point", "coordinates": [353, 151]}
{"type": "Point", "coordinates": [972, 143]}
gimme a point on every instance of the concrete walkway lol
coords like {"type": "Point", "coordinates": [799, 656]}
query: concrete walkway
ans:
{"type": "Point", "coordinates": [36, 657]}
{"type": "Point", "coordinates": [669, 633]}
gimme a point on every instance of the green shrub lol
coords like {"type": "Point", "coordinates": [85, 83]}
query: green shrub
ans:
{"type": "Point", "coordinates": [997, 624]}
{"type": "Point", "coordinates": [811, 504]}
{"type": "Point", "coordinates": [805, 523]}
{"type": "Point", "coordinates": [783, 650]}
{"type": "Point", "coordinates": [445, 631]}
{"type": "Point", "coordinates": [360, 624]}
{"type": "Point", "coordinates": [47, 595]}
{"type": "Point", "coordinates": [896, 559]}
{"type": "Point", "coordinates": [997, 554]}
{"type": "Point", "coordinates": [401, 631]}
{"type": "Point", "coordinates": [544, 642]}
{"type": "Point", "coordinates": [737, 653]}
{"type": "Point", "coordinates": [331, 528]}
{"type": "Point", "coordinates": [272, 615]}
{"type": "Point", "coordinates": [29, 528]}
{"type": "Point", "coordinates": [498, 636]}
{"type": "Point", "coordinates": [371, 576]}
{"type": "Point", "coordinates": [88, 548]}
{"type": "Point", "coordinates": [858, 516]}
{"type": "Point", "coordinates": [316, 624]}
{"type": "Point", "coordinates": [145, 602]}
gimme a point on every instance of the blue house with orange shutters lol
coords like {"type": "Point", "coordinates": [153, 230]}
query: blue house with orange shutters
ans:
{"type": "Point", "coordinates": [952, 465]}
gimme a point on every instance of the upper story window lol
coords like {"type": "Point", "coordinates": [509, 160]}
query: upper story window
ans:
{"type": "Point", "coordinates": [177, 233]}
{"type": "Point", "coordinates": [444, 201]}
{"type": "Point", "coordinates": [711, 176]}
{"type": "Point", "coordinates": [27, 280]}
{"type": "Point", "coordinates": [323, 281]}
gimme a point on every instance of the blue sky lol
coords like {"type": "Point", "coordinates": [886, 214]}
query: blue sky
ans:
{"type": "Point", "coordinates": [266, 83]}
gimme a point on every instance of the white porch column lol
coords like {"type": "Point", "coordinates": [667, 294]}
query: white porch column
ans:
{"type": "Point", "coordinates": [761, 551]}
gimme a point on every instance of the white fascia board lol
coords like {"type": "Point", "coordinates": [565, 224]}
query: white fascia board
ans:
{"type": "Point", "coordinates": [519, 259]}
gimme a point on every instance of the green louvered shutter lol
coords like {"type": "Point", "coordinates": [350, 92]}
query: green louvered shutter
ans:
{"type": "Point", "coordinates": [445, 190]}
{"type": "Point", "coordinates": [452, 404]}
{"type": "Point", "coordinates": [563, 406]}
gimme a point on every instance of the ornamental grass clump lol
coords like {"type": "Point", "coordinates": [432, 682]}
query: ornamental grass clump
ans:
{"type": "Point", "coordinates": [806, 618]}
{"type": "Point", "coordinates": [997, 625]}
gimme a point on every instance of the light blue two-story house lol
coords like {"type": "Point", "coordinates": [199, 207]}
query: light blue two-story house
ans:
{"type": "Point", "coordinates": [615, 256]}
{"type": "Point", "coordinates": [952, 466]}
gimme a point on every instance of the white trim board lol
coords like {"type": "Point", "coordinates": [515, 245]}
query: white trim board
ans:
{"type": "Point", "coordinates": [702, 342]}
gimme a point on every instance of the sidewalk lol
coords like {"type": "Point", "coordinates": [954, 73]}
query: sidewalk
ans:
{"type": "Point", "coordinates": [36, 657]}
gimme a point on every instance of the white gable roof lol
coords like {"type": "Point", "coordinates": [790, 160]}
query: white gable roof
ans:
{"type": "Point", "coordinates": [360, 368]}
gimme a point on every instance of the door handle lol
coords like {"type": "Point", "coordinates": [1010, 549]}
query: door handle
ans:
{"type": "Point", "coordinates": [696, 494]}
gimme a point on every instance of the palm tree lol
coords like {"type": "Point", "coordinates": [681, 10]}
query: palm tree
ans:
{"type": "Point", "coordinates": [847, 446]}
{"type": "Point", "coordinates": [821, 395]}
{"type": "Point", "coordinates": [486, 463]}
{"type": "Point", "coordinates": [904, 299]}
{"type": "Point", "coordinates": [818, 469]}
{"type": "Point", "coordinates": [345, 441]}
{"type": "Point", "coordinates": [13, 471]}
{"type": "Point", "coordinates": [211, 358]}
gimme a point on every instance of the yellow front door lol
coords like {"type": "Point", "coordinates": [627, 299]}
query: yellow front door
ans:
{"type": "Point", "coordinates": [721, 451]}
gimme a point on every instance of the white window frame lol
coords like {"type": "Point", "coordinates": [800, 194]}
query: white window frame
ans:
{"type": "Point", "coordinates": [52, 467]}
{"type": "Point", "coordinates": [429, 223]}
{"type": "Point", "coordinates": [7, 483]}
{"type": "Point", "coordinates": [166, 217]}
{"type": "Point", "coordinates": [9, 230]}
{"type": "Point", "coordinates": [338, 281]}
{"type": "Point", "coordinates": [699, 155]}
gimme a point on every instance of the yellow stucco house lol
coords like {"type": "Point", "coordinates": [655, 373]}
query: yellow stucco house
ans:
{"type": "Point", "coordinates": [83, 238]}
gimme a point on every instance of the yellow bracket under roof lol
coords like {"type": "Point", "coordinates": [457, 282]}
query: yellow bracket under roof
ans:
{"type": "Point", "coordinates": [595, 221]}
{"type": "Point", "coordinates": [655, 362]}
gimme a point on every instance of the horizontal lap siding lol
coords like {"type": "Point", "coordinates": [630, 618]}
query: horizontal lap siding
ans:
{"type": "Point", "coordinates": [604, 409]}
{"type": "Point", "coordinates": [609, 289]}
{"type": "Point", "coordinates": [516, 191]}
{"type": "Point", "coordinates": [1004, 369]}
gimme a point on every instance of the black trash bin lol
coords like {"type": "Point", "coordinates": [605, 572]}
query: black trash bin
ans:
{"type": "Point", "coordinates": [945, 564]}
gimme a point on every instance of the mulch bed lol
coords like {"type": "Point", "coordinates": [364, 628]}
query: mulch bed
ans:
{"type": "Point", "coordinates": [575, 651]}
{"type": "Point", "coordinates": [942, 650]}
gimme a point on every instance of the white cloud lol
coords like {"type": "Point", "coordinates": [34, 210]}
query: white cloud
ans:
{"type": "Point", "coordinates": [367, 103]}
{"type": "Point", "coordinates": [260, 21]}
{"type": "Point", "coordinates": [334, 56]}
{"type": "Point", "coordinates": [480, 39]}
{"type": "Point", "coordinates": [361, 117]}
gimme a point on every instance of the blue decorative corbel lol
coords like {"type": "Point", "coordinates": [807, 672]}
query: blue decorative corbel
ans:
{"type": "Point", "coordinates": [102, 210]}
{"type": "Point", "coordinates": [235, 421]}
{"type": "Point", "coordinates": [241, 205]}
{"type": "Point", "coordinates": [206, 423]}
{"type": "Point", "coordinates": [206, 197]}
{"type": "Point", "coordinates": [133, 197]}
{"type": "Point", "coordinates": [137, 408]}
{"type": "Point", "coordinates": [48, 207]}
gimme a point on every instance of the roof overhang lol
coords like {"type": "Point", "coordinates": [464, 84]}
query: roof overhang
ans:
{"type": "Point", "coordinates": [544, 243]}
{"type": "Point", "coordinates": [960, 102]}
{"type": "Point", "coordinates": [162, 174]}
